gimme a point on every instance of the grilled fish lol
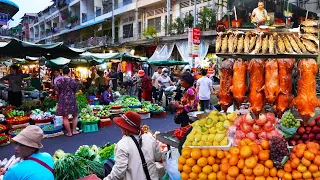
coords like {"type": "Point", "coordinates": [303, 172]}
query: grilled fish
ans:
{"type": "Point", "coordinates": [252, 42]}
{"type": "Point", "coordinates": [218, 43]}
{"type": "Point", "coordinates": [271, 45]}
{"type": "Point", "coordinates": [300, 44]}
{"type": "Point", "coordinates": [294, 44]}
{"type": "Point", "coordinates": [311, 47]}
{"type": "Point", "coordinates": [246, 43]}
{"type": "Point", "coordinates": [258, 44]}
{"type": "Point", "coordinates": [240, 44]}
{"type": "Point", "coordinates": [265, 45]}
{"type": "Point", "coordinates": [310, 29]}
{"type": "Point", "coordinates": [224, 44]}
{"type": "Point", "coordinates": [309, 23]}
{"type": "Point", "coordinates": [287, 45]}
{"type": "Point", "coordinates": [281, 47]}
{"type": "Point", "coordinates": [230, 43]}
{"type": "Point", "coordinates": [311, 37]}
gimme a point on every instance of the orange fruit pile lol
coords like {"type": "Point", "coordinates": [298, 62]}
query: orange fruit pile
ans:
{"type": "Point", "coordinates": [248, 161]}
{"type": "Point", "coordinates": [304, 163]}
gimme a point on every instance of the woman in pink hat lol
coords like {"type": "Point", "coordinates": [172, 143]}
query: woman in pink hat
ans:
{"type": "Point", "coordinates": [134, 150]}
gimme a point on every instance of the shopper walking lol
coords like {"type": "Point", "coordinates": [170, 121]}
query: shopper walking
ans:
{"type": "Point", "coordinates": [155, 84]}
{"type": "Point", "coordinates": [67, 103]}
{"type": "Point", "coordinates": [204, 89]}
{"type": "Point", "coordinates": [129, 164]}
{"type": "Point", "coordinates": [189, 101]}
{"type": "Point", "coordinates": [35, 165]}
{"type": "Point", "coordinates": [15, 82]}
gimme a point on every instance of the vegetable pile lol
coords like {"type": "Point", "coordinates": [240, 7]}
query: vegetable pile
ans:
{"type": "Point", "coordinates": [49, 103]}
{"type": "Point", "coordinates": [156, 107]}
{"type": "Point", "coordinates": [37, 114]}
{"type": "Point", "coordinates": [107, 151]}
{"type": "Point", "coordinates": [15, 113]}
{"type": "Point", "coordinates": [82, 101]}
{"type": "Point", "coordinates": [48, 128]}
{"type": "Point", "coordinates": [103, 113]}
{"type": "Point", "coordinates": [131, 101]}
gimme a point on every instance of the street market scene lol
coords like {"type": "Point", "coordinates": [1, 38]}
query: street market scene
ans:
{"type": "Point", "coordinates": [159, 90]}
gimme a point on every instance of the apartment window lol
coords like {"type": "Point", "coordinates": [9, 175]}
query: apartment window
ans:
{"type": "Point", "coordinates": [128, 31]}
{"type": "Point", "coordinates": [156, 23]}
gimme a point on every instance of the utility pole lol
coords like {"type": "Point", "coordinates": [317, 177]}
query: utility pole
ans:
{"type": "Point", "coordinates": [168, 15]}
{"type": "Point", "coordinates": [113, 26]}
{"type": "Point", "coordinates": [195, 14]}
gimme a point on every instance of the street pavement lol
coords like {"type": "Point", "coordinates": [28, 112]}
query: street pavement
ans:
{"type": "Point", "coordinates": [110, 134]}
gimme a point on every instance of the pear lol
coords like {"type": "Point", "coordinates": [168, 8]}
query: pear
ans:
{"type": "Point", "coordinates": [232, 116]}
{"type": "Point", "coordinates": [211, 137]}
{"type": "Point", "coordinates": [221, 118]}
{"type": "Point", "coordinates": [213, 130]}
{"type": "Point", "coordinates": [190, 137]}
{"type": "Point", "coordinates": [204, 138]}
{"type": "Point", "coordinates": [202, 122]}
{"type": "Point", "coordinates": [208, 143]}
{"type": "Point", "coordinates": [188, 143]}
{"type": "Point", "coordinates": [224, 142]}
{"type": "Point", "coordinates": [194, 143]}
{"type": "Point", "coordinates": [209, 123]}
{"type": "Point", "coordinates": [219, 124]}
{"type": "Point", "coordinates": [201, 143]}
{"type": "Point", "coordinates": [219, 137]}
{"type": "Point", "coordinates": [226, 124]}
{"type": "Point", "coordinates": [215, 143]}
{"type": "Point", "coordinates": [197, 137]}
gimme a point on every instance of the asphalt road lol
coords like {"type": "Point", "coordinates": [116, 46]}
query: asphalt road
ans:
{"type": "Point", "coordinates": [110, 134]}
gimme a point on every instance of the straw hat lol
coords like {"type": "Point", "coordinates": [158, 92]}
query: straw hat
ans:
{"type": "Point", "coordinates": [141, 73]}
{"type": "Point", "coordinates": [31, 136]}
{"type": "Point", "coordinates": [129, 121]}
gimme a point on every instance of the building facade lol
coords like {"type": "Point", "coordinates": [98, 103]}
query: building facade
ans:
{"type": "Point", "coordinates": [83, 23]}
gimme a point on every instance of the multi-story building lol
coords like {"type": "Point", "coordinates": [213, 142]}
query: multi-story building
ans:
{"type": "Point", "coordinates": [83, 23]}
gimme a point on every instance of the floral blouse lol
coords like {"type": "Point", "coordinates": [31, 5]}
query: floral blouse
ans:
{"type": "Point", "coordinates": [189, 101]}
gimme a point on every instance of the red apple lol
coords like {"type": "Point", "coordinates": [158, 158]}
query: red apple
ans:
{"type": "Point", "coordinates": [301, 130]}
{"type": "Point", "coordinates": [292, 143]}
{"type": "Point", "coordinates": [312, 136]}
{"type": "Point", "coordinates": [308, 130]}
{"type": "Point", "coordinates": [305, 137]}
{"type": "Point", "coordinates": [318, 122]}
{"type": "Point", "coordinates": [315, 129]}
{"type": "Point", "coordinates": [300, 142]}
{"type": "Point", "coordinates": [318, 137]}
{"type": "Point", "coordinates": [297, 137]}
{"type": "Point", "coordinates": [312, 123]}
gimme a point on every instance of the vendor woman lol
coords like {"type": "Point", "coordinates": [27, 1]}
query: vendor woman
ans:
{"type": "Point", "coordinates": [15, 81]}
{"type": "Point", "coordinates": [189, 101]}
{"type": "Point", "coordinates": [259, 14]}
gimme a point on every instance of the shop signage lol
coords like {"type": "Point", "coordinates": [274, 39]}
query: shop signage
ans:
{"type": "Point", "coordinates": [196, 40]}
{"type": "Point", "coordinates": [3, 19]}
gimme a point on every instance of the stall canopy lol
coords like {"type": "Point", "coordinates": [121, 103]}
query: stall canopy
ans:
{"type": "Point", "coordinates": [110, 56]}
{"type": "Point", "coordinates": [20, 49]}
{"type": "Point", "coordinates": [72, 63]}
{"type": "Point", "coordinates": [168, 63]}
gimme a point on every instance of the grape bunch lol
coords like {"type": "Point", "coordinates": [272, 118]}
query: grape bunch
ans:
{"type": "Point", "coordinates": [278, 151]}
{"type": "Point", "coordinates": [289, 121]}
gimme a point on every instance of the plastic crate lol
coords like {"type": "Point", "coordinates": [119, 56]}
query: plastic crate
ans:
{"type": "Point", "coordinates": [159, 115]}
{"type": "Point", "coordinates": [105, 124]}
{"type": "Point", "coordinates": [89, 128]}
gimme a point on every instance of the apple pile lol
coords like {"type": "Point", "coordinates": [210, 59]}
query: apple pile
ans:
{"type": "Point", "coordinates": [306, 134]}
{"type": "Point", "coordinates": [255, 129]}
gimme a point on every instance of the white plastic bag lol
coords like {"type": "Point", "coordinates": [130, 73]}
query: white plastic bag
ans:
{"type": "Point", "coordinates": [172, 164]}
{"type": "Point", "coordinates": [58, 121]}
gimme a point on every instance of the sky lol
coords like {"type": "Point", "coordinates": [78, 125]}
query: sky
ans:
{"type": "Point", "coordinates": [28, 6]}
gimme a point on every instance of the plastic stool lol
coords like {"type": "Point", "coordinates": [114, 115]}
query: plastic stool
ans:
{"type": "Point", "coordinates": [89, 128]}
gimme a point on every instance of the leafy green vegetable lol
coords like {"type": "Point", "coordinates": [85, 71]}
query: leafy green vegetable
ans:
{"type": "Point", "coordinates": [48, 128]}
{"type": "Point", "coordinates": [49, 102]}
{"type": "Point", "coordinates": [90, 153]}
{"type": "Point", "coordinates": [82, 101]}
{"type": "Point", "coordinates": [107, 151]}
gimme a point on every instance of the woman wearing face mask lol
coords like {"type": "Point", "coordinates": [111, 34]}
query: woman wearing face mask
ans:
{"type": "Point", "coordinates": [164, 81]}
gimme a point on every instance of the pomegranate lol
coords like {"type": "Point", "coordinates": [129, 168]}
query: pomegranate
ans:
{"type": "Point", "coordinates": [271, 117]}
{"type": "Point", "coordinates": [245, 127]}
{"type": "Point", "coordinates": [256, 128]}
{"type": "Point", "coordinates": [262, 119]}
{"type": "Point", "coordinates": [268, 127]}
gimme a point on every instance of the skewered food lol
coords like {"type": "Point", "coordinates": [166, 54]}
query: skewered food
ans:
{"type": "Point", "coordinates": [309, 23]}
{"type": "Point", "coordinates": [225, 83]}
{"type": "Point", "coordinates": [271, 87]}
{"type": "Point", "coordinates": [294, 44]}
{"type": "Point", "coordinates": [306, 100]}
{"type": "Point", "coordinates": [258, 44]}
{"type": "Point", "coordinates": [281, 47]}
{"type": "Point", "coordinates": [246, 43]}
{"type": "Point", "coordinates": [256, 96]}
{"type": "Point", "coordinates": [235, 42]}
{"type": "Point", "coordinates": [271, 45]}
{"type": "Point", "coordinates": [285, 67]}
{"type": "Point", "coordinates": [252, 42]}
{"type": "Point", "coordinates": [218, 43]}
{"type": "Point", "coordinates": [239, 82]}
{"type": "Point", "coordinates": [310, 46]}
{"type": "Point", "coordinates": [287, 45]}
{"type": "Point", "coordinates": [240, 44]}
{"type": "Point", "coordinates": [300, 44]}
{"type": "Point", "coordinates": [265, 44]}
{"type": "Point", "coordinates": [230, 43]}
{"type": "Point", "coordinates": [310, 29]}
{"type": "Point", "coordinates": [224, 45]}
{"type": "Point", "coordinates": [311, 37]}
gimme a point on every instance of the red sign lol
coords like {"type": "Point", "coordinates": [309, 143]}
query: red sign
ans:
{"type": "Point", "coordinates": [27, 31]}
{"type": "Point", "coordinates": [196, 36]}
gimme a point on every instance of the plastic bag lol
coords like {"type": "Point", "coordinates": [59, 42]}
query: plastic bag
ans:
{"type": "Point", "coordinates": [172, 164]}
{"type": "Point", "coordinates": [288, 132]}
{"type": "Point", "coordinates": [58, 121]}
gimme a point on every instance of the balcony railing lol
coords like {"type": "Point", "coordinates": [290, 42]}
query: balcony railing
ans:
{"type": "Point", "coordinates": [94, 41]}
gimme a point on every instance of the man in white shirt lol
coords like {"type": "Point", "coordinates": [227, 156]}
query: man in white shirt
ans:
{"type": "Point", "coordinates": [204, 89]}
{"type": "Point", "coordinates": [259, 14]}
{"type": "Point", "coordinates": [155, 83]}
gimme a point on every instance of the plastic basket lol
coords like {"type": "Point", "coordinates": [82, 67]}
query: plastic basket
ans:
{"type": "Point", "coordinates": [13, 121]}
{"type": "Point", "coordinates": [87, 128]}
{"type": "Point", "coordinates": [12, 133]}
{"type": "Point", "coordinates": [116, 107]}
{"type": "Point", "coordinates": [42, 121]}
{"type": "Point", "coordinates": [105, 124]}
{"type": "Point", "coordinates": [5, 139]}
{"type": "Point", "coordinates": [3, 128]}
{"type": "Point", "coordinates": [55, 130]}
{"type": "Point", "coordinates": [139, 106]}
{"type": "Point", "coordinates": [157, 112]}
{"type": "Point", "coordinates": [89, 122]}
{"type": "Point", "coordinates": [158, 115]}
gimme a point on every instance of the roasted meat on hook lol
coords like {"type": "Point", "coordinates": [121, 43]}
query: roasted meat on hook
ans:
{"type": "Point", "coordinates": [271, 87]}
{"type": "Point", "coordinates": [225, 96]}
{"type": "Point", "coordinates": [239, 81]}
